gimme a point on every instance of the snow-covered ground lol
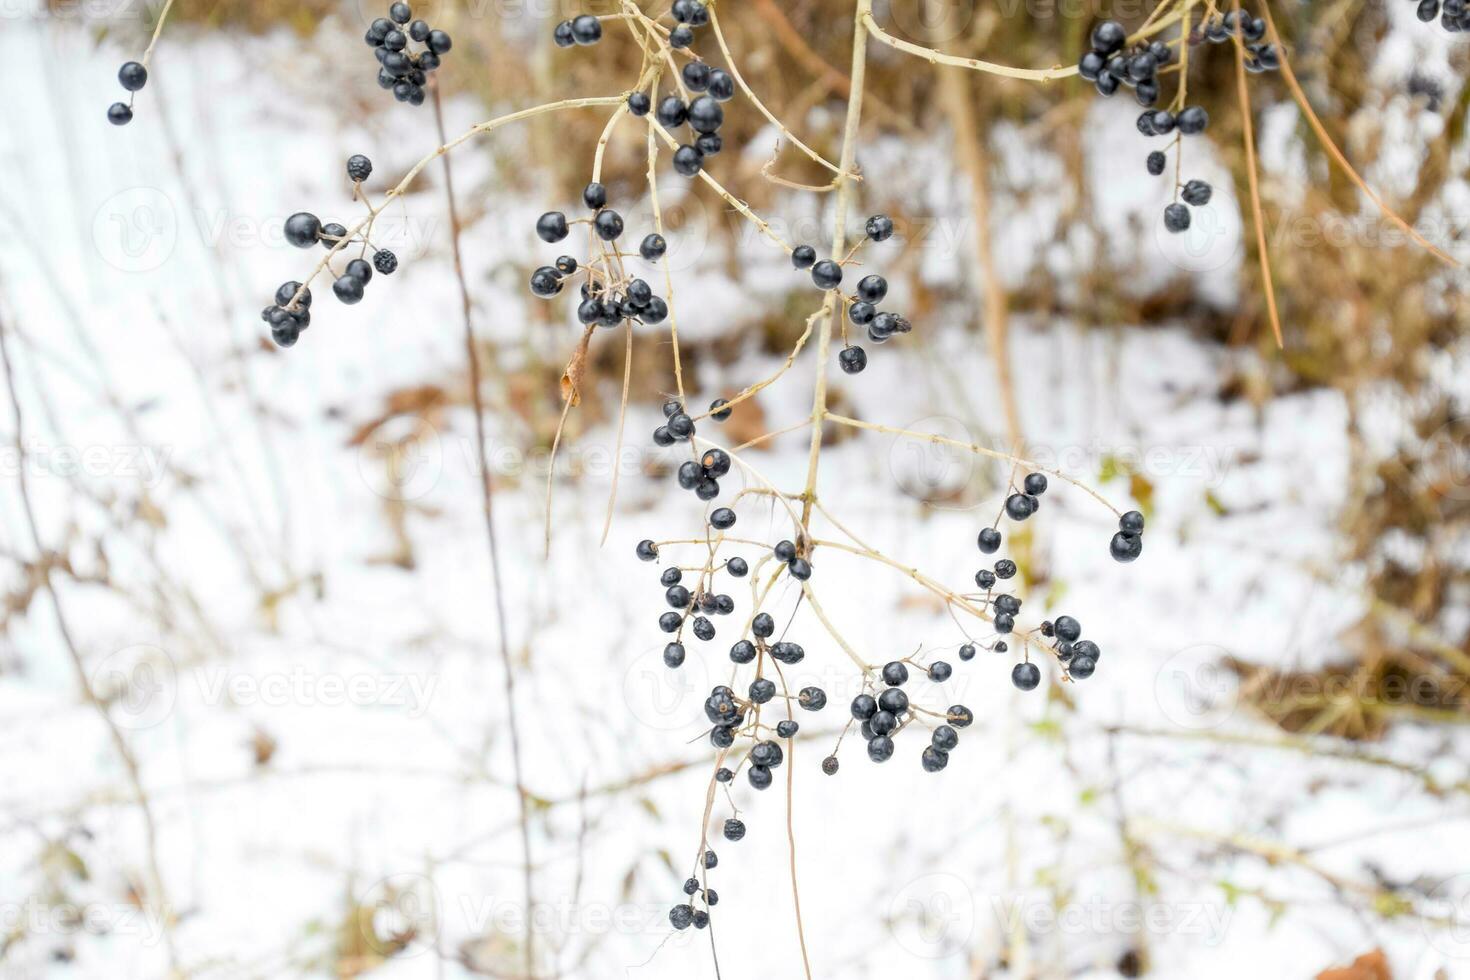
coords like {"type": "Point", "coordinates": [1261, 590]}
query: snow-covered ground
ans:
{"type": "Point", "coordinates": [322, 731]}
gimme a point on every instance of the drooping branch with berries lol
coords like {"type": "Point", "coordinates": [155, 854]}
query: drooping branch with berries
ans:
{"type": "Point", "coordinates": [682, 101]}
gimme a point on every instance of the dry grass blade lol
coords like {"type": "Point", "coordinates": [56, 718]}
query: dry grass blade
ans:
{"type": "Point", "coordinates": [1249, 136]}
{"type": "Point", "coordinates": [1335, 153]}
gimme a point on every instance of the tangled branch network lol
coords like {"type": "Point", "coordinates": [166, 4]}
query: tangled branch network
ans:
{"type": "Point", "coordinates": [681, 100]}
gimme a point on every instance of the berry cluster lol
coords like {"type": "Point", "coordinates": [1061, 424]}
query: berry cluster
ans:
{"type": "Point", "coordinates": [1077, 655]}
{"type": "Point", "coordinates": [862, 306]}
{"type": "Point", "coordinates": [704, 114]}
{"type": "Point", "coordinates": [1111, 64]}
{"type": "Point", "coordinates": [291, 312]}
{"type": "Point", "coordinates": [1260, 56]}
{"type": "Point", "coordinates": [1125, 546]}
{"type": "Point", "coordinates": [684, 915]}
{"type": "Point", "coordinates": [689, 14]}
{"type": "Point", "coordinates": [403, 70]}
{"type": "Point", "coordinates": [583, 30]}
{"type": "Point", "coordinates": [1454, 15]}
{"type": "Point", "coordinates": [609, 294]}
{"type": "Point", "coordinates": [884, 716]}
{"type": "Point", "coordinates": [133, 77]}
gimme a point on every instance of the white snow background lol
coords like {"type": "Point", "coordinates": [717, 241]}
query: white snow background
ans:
{"type": "Point", "coordinates": [133, 263]}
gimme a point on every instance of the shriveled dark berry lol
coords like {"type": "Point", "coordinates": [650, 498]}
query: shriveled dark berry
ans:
{"type": "Point", "coordinates": [1196, 193]}
{"type": "Point", "coordinates": [933, 759]}
{"type": "Point", "coordinates": [1108, 37]}
{"type": "Point", "coordinates": [812, 698]}
{"type": "Point", "coordinates": [734, 829]}
{"type": "Point", "coordinates": [385, 262]}
{"type": "Point", "coordinates": [879, 227]}
{"type": "Point", "coordinates": [359, 167]}
{"type": "Point", "coordinates": [853, 359]}
{"type": "Point", "coordinates": [830, 765]}
{"type": "Point", "coordinates": [1176, 218]}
